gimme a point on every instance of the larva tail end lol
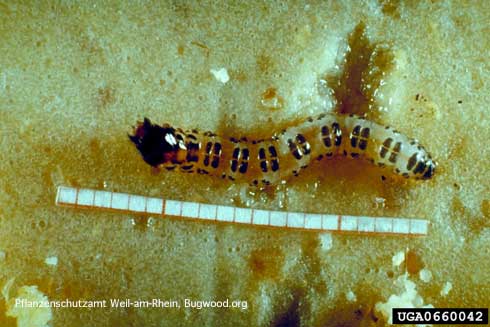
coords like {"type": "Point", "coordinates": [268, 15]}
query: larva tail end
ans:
{"type": "Point", "coordinates": [430, 169]}
{"type": "Point", "coordinates": [157, 144]}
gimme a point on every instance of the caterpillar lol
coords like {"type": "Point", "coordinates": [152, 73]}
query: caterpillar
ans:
{"type": "Point", "coordinates": [286, 153]}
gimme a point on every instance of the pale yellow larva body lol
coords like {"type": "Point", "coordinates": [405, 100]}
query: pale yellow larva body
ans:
{"type": "Point", "coordinates": [286, 153]}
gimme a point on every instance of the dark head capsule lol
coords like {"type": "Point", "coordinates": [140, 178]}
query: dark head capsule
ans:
{"type": "Point", "coordinates": [157, 144]}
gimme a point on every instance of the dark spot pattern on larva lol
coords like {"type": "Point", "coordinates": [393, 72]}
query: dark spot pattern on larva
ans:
{"type": "Point", "coordinates": [359, 137]}
{"type": "Point", "coordinates": [207, 155]}
{"type": "Point", "coordinates": [216, 155]}
{"type": "Point", "coordinates": [356, 131]}
{"type": "Point", "coordinates": [243, 167]}
{"type": "Point", "coordinates": [386, 147]}
{"type": "Point", "coordinates": [387, 142]}
{"type": "Point", "coordinates": [187, 167]}
{"type": "Point", "coordinates": [394, 153]}
{"type": "Point", "coordinates": [272, 151]}
{"type": "Point", "coordinates": [274, 159]}
{"type": "Point", "coordinates": [274, 165]}
{"type": "Point", "coordinates": [412, 161]}
{"type": "Point", "coordinates": [303, 144]}
{"type": "Point", "coordinates": [263, 161]}
{"type": "Point", "coordinates": [234, 165]}
{"type": "Point", "coordinates": [263, 166]}
{"type": "Point", "coordinates": [268, 161]}
{"type": "Point", "coordinates": [419, 168]}
{"type": "Point", "coordinates": [327, 140]}
{"type": "Point", "coordinates": [262, 154]}
{"type": "Point", "coordinates": [234, 160]}
{"type": "Point", "coordinates": [217, 148]}
{"type": "Point", "coordinates": [364, 138]}
{"type": "Point", "coordinates": [209, 145]}
{"type": "Point", "coordinates": [293, 148]}
{"type": "Point", "coordinates": [192, 151]}
{"type": "Point", "coordinates": [236, 152]}
{"type": "Point", "coordinates": [338, 134]}
{"type": "Point", "coordinates": [429, 170]}
{"type": "Point", "coordinates": [383, 152]}
{"type": "Point", "coordinates": [244, 163]}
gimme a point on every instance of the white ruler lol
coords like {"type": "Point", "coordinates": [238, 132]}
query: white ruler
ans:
{"type": "Point", "coordinates": [89, 198]}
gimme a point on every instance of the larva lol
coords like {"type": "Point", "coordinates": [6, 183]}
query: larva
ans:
{"type": "Point", "coordinates": [269, 161]}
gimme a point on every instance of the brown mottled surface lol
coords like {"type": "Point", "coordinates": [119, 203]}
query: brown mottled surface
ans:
{"type": "Point", "coordinates": [74, 78]}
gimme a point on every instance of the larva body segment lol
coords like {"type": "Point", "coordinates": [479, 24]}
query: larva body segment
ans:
{"type": "Point", "coordinates": [268, 161]}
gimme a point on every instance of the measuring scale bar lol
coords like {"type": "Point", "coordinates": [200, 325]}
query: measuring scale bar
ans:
{"type": "Point", "coordinates": [89, 198]}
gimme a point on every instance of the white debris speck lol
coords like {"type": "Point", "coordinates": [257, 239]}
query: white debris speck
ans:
{"type": "Point", "coordinates": [51, 261]}
{"type": "Point", "coordinates": [425, 275]}
{"type": "Point", "coordinates": [27, 316]}
{"type": "Point", "coordinates": [326, 241]}
{"type": "Point", "coordinates": [350, 296]}
{"type": "Point", "coordinates": [446, 288]}
{"type": "Point", "coordinates": [2, 255]}
{"type": "Point", "coordinates": [380, 202]}
{"type": "Point", "coordinates": [398, 259]}
{"type": "Point", "coordinates": [150, 223]}
{"type": "Point", "coordinates": [271, 100]}
{"type": "Point", "coordinates": [408, 298]}
{"type": "Point", "coordinates": [221, 75]}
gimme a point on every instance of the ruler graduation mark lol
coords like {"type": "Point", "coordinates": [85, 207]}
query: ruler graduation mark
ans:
{"type": "Point", "coordinates": [88, 198]}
